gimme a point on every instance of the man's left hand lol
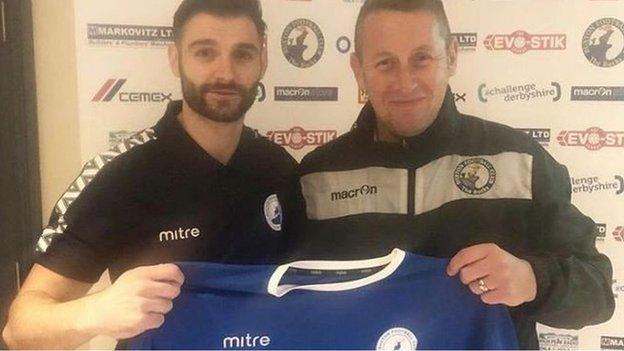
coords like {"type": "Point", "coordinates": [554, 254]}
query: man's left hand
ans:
{"type": "Point", "coordinates": [494, 274]}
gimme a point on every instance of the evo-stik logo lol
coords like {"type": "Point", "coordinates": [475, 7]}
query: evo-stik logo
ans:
{"type": "Point", "coordinates": [354, 193]}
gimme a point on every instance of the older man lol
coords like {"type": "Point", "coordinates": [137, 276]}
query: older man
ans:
{"type": "Point", "coordinates": [415, 173]}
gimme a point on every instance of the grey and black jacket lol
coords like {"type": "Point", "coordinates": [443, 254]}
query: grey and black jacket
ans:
{"type": "Point", "coordinates": [462, 182]}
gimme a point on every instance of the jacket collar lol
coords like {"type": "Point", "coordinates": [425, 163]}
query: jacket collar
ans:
{"type": "Point", "coordinates": [439, 133]}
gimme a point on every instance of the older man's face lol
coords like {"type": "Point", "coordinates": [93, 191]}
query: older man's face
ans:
{"type": "Point", "coordinates": [404, 67]}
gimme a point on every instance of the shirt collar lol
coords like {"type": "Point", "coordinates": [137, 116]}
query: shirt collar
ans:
{"type": "Point", "coordinates": [185, 149]}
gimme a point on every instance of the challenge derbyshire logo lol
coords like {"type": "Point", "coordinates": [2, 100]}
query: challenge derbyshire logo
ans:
{"type": "Point", "coordinates": [475, 176]}
{"type": "Point", "coordinates": [519, 42]}
{"type": "Point", "coordinates": [297, 138]}
{"type": "Point", "coordinates": [596, 184]}
{"type": "Point", "coordinates": [592, 139]}
{"type": "Point", "coordinates": [111, 87]}
{"type": "Point", "coordinates": [303, 43]}
{"type": "Point", "coordinates": [552, 341]}
{"type": "Point", "coordinates": [517, 93]}
{"type": "Point", "coordinates": [397, 339]}
{"type": "Point", "coordinates": [603, 42]}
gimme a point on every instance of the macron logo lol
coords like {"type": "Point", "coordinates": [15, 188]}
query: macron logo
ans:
{"type": "Point", "coordinates": [178, 234]}
{"type": "Point", "coordinates": [244, 341]}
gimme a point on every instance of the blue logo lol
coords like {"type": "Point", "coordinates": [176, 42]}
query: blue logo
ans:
{"type": "Point", "coordinates": [273, 213]}
{"type": "Point", "coordinates": [343, 44]}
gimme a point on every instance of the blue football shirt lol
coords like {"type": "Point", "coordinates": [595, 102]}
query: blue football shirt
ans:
{"type": "Point", "coordinates": [398, 302]}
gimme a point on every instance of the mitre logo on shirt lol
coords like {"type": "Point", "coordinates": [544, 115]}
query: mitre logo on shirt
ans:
{"type": "Point", "coordinates": [246, 341]}
{"type": "Point", "coordinates": [178, 234]}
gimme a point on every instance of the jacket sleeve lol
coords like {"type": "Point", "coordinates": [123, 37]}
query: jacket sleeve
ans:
{"type": "Point", "coordinates": [573, 278]}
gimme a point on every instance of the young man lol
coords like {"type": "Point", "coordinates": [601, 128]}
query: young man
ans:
{"type": "Point", "coordinates": [416, 174]}
{"type": "Point", "coordinates": [198, 186]}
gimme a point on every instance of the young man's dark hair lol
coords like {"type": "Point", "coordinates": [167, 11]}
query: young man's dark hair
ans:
{"type": "Point", "coordinates": [433, 6]}
{"type": "Point", "coordinates": [225, 8]}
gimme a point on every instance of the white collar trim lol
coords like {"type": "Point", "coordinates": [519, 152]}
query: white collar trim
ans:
{"type": "Point", "coordinates": [392, 262]}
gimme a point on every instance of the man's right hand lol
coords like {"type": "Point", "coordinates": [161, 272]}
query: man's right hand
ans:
{"type": "Point", "coordinates": [136, 302]}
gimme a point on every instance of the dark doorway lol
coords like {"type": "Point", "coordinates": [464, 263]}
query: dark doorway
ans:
{"type": "Point", "coordinates": [20, 204]}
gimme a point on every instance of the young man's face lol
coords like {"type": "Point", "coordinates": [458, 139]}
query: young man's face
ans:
{"type": "Point", "coordinates": [405, 68]}
{"type": "Point", "coordinates": [220, 61]}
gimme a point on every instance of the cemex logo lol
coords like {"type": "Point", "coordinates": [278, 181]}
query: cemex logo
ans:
{"type": "Point", "coordinates": [592, 139]}
{"type": "Point", "coordinates": [297, 138]}
{"type": "Point", "coordinates": [596, 93]}
{"type": "Point", "coordinates": [541, 135]}
{"type": "Point", "coordinates": [520, 42]}
{"type": "Point", "coordinates": [467, 41]}
{"type": "Point", "coordinates": [111, 88]}
{"type": "Point", "coordinates": [611, 343]}
{"type": "Point", "coordinates": [618, 234]}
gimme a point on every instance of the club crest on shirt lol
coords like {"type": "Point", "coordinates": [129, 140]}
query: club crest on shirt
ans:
{"type": "Point", "coordinates": [475, 176]}
{"type": "Point", "coordinates": [397, 339]}
{"type": "Point", "coordinates": [273, 213]}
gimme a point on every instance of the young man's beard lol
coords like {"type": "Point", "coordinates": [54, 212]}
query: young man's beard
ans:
{"type": "Point", "coordinates": [194, 97]}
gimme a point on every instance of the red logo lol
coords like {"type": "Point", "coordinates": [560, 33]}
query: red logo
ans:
{"type": "Point", "coordinates": [618, 234]}
{"type": "Point", "coordinates": [297, 137]}
{"type": "Point", "coordinates": [593, 138]}
{"type": "Point", "coordinates": [520, 42]}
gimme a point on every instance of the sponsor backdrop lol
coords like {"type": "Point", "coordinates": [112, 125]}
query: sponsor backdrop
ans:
{"type": "Point", "coordinates": [553, 69]}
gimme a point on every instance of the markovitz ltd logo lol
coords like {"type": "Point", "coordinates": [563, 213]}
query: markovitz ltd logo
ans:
{"type": "Point", "coordinates": [466, 41]}
{"type": "Point", "coordinates": [611, 343]}
{"type": "Point", "coordinates": [129, 35]}
{"type": "Point", "coordinates": [541, 135]}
